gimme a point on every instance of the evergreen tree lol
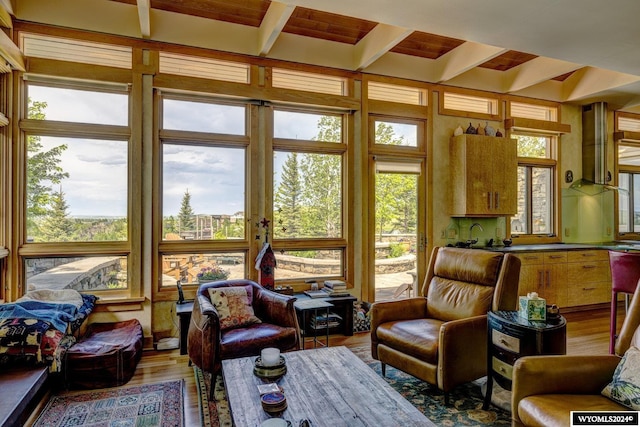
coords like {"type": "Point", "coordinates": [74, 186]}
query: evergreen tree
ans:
{"type": "Point", "coordinates": [185, 216]}
{"type": "Point", "coordinates": [43, 170]}
{"type": "Point", "coordinates": [57, 227]}
{"type": "Point", "coordinates": [288, 199]}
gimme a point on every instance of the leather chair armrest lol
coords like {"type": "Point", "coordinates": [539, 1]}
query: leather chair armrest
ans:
{"type": "Point", "coordinates": [560, 374]}
{"type": "Point", "coordinates": [463, 345]}
{"type": "Point", "coordinates": [275, 308]}
{"type": "Point", "coordinates": [204, 334]}
{"type": "Point", "coordinates": [387, 311]}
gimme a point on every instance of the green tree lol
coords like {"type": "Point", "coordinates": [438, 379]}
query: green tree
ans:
{"type": "Point", "coordinates": [532, 146]}
{"type": "Point", "coordinates": [169, 225]}
{"type": "Point", "coordinates": [57, 227]}
{"type": "Point", "coordinates": [288, 199]}
{"type": "Point", "coordinates": [185, 216]}
{"type": "Point", "coordinates": [43, 171]}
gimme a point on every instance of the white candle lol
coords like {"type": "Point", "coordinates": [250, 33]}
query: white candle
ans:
{"type": "Point", "coordinates": [270, 356]}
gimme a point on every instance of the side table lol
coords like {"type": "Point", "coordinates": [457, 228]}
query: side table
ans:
{"type": "Point", "coordinates": [303, 308]}
{"type": "Point", "coordinates": [184, 314]}
{"type": "Point", "coordinates": [511, 337]}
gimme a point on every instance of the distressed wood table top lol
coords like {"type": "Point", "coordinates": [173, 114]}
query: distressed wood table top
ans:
{"type": "Point", "coordinates": [328, 386]}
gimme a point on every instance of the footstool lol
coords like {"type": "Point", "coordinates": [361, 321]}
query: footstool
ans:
{"type": "Point", "coordinates": [106, 356]}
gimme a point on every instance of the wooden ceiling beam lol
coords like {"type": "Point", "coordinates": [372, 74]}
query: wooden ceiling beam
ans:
{"type": "Point", "coordinates": [536, 71]}
{"type": "Point", "coordinates": [589, 81]}
{"type": "Point", "coordinates": [274, 21]}
{"type": "Point", "coordinates": [462, 59]}
{"type": "Point", "coordinates": [144, 10]}
{"type": "Point", "coordinates": [376, 43]}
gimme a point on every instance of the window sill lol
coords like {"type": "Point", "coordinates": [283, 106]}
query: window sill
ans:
{"type": "Point", "coordinates": [119, 304]}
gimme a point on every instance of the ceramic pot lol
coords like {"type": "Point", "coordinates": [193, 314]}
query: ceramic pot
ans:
{"type": "Point", "coordinates": [471, 130]}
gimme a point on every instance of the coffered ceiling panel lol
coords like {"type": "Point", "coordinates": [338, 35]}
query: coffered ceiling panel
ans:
{"type": "Point", "coordinates": [571, 51]}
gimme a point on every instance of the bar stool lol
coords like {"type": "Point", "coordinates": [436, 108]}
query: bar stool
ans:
{"type": "Point", "coordinates": [625, 272]}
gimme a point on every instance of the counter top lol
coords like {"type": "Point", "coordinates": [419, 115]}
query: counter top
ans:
{"type": "Point", "coordinates": [619, 246]}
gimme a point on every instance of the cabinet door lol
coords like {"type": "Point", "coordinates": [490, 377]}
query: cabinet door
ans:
{"type": "Point", "coordinates": [479, 178]}
{"type": "Point", "coordinates": [504, 165]}
{"type": "Point", "coordinates": [556, 289]}
{"type": "Point", "coordinates": [531, 279]}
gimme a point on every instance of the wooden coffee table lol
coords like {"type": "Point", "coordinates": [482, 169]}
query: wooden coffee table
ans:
{"type": "Point", "coordinates": [328, 386]}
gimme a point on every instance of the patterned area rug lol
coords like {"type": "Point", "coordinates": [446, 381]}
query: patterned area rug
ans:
{"type": "Point", "coordinates": [141, 406]}
{"type": "Point", "coordinates": [465, 408]}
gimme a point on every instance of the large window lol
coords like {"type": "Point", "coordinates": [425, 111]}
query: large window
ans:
{"type": "Point", "coordinates": [536, 183]}
{"type": "Point", "coordinates": [77, 151]}
{"type": "Point", "coordinates": [203, 157]}
{"type": "Point", "coordinates": [308, 175]}
{"type": "Point", "coordinates": [629, 180]}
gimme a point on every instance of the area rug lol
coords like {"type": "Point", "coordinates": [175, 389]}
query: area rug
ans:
{"type": "Point", "coordinates": [148, 405]}
{"type": "Point", "coordinates": [465, 407]}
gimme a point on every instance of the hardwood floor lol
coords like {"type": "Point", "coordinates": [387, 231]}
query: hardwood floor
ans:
{"type": "Point", "coordinates": [587, 333]}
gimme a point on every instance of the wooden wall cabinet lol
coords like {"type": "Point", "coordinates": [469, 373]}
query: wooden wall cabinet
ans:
{"type": "Point", "coordinates": [567, 278]}
{"type": "Point", "coordinates": [483, 174]}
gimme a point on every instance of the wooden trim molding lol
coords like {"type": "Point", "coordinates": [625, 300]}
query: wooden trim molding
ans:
{"type": "Point", "coordinates": [518, 123]}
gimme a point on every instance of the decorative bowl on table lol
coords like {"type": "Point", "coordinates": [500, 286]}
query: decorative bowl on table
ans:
{"type": "Point", "coordinates": [274, 403]}
{"type": "Point", "coordinates": [270, 372]}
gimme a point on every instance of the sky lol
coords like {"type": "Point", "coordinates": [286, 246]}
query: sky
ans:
{"type": "Point", "coordinates": [213, 176]}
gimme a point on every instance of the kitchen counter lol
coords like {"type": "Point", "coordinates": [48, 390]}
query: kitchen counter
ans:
{"type": "Point", "coordinates": [617, 246]}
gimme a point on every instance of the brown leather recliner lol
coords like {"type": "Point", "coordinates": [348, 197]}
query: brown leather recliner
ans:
{"type": "Point", "coordinates": [441, 338]}
{"type": "Point", "coordinates": [208, 345]}
{"type": "Point", "coordinates": [547, 388]}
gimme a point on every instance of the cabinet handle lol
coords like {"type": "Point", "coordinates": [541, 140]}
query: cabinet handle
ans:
{"type": "Point", "coordinates": [489, 200]}
{"type": "Point", "coordinates": [530, 257]}
{"type": "Point", "coordinates": [501, 369]}
{"type": "Point", "coordinates": [548, 278]}
{"type": "Point", "coordinates": [503, 341]}
{"type": "Point", "coordinates": [540, 278]}
{"type": "Point", "coordinates": [588, 289]}
{"type": "Point", "coordinates": [555, 256]}
{"type": "Point", "coordinates": [588, 266]}
{"type": "Point", "coordinates": [588, 254]}
{"type": "Point", "coordinates": [497, 200]}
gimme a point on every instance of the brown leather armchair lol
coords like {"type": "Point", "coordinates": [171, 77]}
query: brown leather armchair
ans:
{"type": "Point", "coordinates": [547, 388]}
{"type": "Point", "coordinates": [441, 337]}
{"type": "Point", "coordinates": [208, 344]}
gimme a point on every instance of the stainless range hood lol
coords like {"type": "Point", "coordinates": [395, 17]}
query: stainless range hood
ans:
{"type": "Point", "coordinates": [595, 176]}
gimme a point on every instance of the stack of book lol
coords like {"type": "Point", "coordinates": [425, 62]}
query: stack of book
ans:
{"type": "Point", "coordinates": [335, 288]}
{"type": "Point", "coordinates": [323, 321]}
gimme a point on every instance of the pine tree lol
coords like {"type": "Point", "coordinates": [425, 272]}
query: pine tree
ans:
{"type": "Point", "coordinates": [42, 167]}
{"type": "Point", "coordinates": [287, 200]}
{"type": "Point", "coordinates": [57, 227]}
{"type": "Point", "coordinates": [185, 216]}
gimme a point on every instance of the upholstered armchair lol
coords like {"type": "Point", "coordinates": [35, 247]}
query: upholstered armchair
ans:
{"type": "Point", "coordinates": [441, 337]}
{"type": "Point", "coordinates": [547, 388]}
{"type": "Point", "coordinates": [218, 331]}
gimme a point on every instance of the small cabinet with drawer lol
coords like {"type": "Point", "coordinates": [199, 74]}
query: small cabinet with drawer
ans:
{"type": "Point", "coordinates": [511, 337]}
{"type": "Point", "coordinates": [589, 277]}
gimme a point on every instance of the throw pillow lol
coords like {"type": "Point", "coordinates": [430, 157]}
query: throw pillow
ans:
{"type": "Point", "coordinates": [625, 386]}
{"type": "Point", "coordinates": [233, 306]}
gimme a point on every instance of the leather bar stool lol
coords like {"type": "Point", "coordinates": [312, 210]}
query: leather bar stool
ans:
{"type": "Point", "coordinates": [625, 272]}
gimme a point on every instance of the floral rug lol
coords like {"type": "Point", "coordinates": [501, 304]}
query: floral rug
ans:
{"type": "Point", "coordinates": [147, 405]}
{"type": "Point", "coordinates": [465, 401]}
